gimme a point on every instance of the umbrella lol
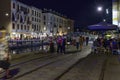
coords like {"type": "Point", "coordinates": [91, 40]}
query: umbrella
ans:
{"type": "Point", "coordinates": [103, 26]}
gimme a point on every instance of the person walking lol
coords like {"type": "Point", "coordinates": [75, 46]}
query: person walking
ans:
{"type": "Point", "coordinates": [64, 45]}
{"type": "Point", "coordinates": [5, 59]}
{"type": "Point", "coordinates": [59, 44]}
{"type": "Point", "coordinates": [4, 53]}
{"type": "Point", "coordinates": [51, 45]}
{"type": "Point", "coordinates": [81, 42]}
{"type": "Point", "coordinates": [114, 46]}
{"type": "Point", "coordinates": [87, 40]}
{"type": "Point", "coordinates": [77, 42]}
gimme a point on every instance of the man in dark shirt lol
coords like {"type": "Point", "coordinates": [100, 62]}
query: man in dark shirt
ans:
{"type": "Point", "coordinates": [87, 40]}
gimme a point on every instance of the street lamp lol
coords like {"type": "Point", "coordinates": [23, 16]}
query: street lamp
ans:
{"type": "Point", "coordinates": [68, 27]}
{"type": "Point", "coordinates": [99, 8]}
{"type": "Point", "coordinates": [104, 20]}
{"type": "Point", "coordinates": [105, 12]}
{"type": "Point", "coordinates": [44, 28]}
{"type": "Point", "coordinates": [6, 14]}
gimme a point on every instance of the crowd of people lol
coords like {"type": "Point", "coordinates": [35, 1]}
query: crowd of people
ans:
{"type": "Point", "coordinates": [111, 45]}
{"type": "Point", "coordinates": [61, 42]}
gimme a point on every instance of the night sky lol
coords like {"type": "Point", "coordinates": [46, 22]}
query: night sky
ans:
{"type": "Point", "coordinates": [84, 12]}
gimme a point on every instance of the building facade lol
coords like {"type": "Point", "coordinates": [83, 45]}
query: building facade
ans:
{"type": "Point", "coordinates": [116, 12]}
{"type": "Point", "coordinates": [56, 24]}
{"type": "Point", "coordinates": [70, 24]}
{"type": "Point", "coordinates": [23, 21]}
{"type": "Point", "coordinates": [36, 22]}
{"type": "Point", "coordinates": [20, 19]}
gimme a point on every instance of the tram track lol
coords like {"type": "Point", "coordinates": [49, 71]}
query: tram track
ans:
{"type": "Point", "coordinates": [42, 57]}
{"type": "Point", "coordinates": [103, 70]}
{"type": "Point", "coordinates": [67, 70]}
{"type": "Point", "coordinates": [42, 66]}
{"type": "Point", "coordinates": [71, 60]}
{"type": "Point", "coordinates": [89, 71]}
{"type": "Point", "coordinates": [33, 59]}
{"type": "Point", "coordinates": [42, 63]}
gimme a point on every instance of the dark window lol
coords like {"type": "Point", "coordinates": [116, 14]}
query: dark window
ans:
{"type": "Point", "coordinates": [17, 8]}
{"type": "Point", "coordinates": [39, 20]}
{"type": "Point", "coordinates": [14, 5]}
{"type": "Point", "coordinates": [21, 27]}
{"type": "Point", "coordinates": [28, 21]}
{"type": "Point", "coordinates": [55, 26]}
{"type": "Point", "coordinates": [32, 18]}
{"type": "Point", "coordinates": [60, 26]}
{"type": "Point", "coordinates": [32, 26]}
{"type": "Point", "coordinates": [28, 10]}
{"type": "Point", "coordinates": [13, 26]}
{"type": "Point", "coordinates": [35, 27]}
{"type": "Point", "coordinates": [25, 18]}
{"type": "Point", "coordinates": [13, 17]}
{"type": "Point", "coordinates": [17, 26]}
{"type": "Point", "coordinates": [35, 13]}
{"type": "Point", "coordinates": [28, 18]}
{"type": "Point", "coordinates": [44, 17]}
{"type": "Point", "coordinates": [25, 27]}
{"type": "Point", "coordinates": [21, 19]}
{"type": "Point", "coordinates": [39, 14]}
{"type": "Point", "coordinates": [32, 12]}
{"type": "Point", "coordinates": [28, 27]}
{"type": "Point", "coordinates": [44, 23]}
{"type": "Point", "coordinates": [50, 18]}
{"type": "Point", "coordinates": [17, 16]}
{"type": "Point", "coordinates": [51, 23]}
